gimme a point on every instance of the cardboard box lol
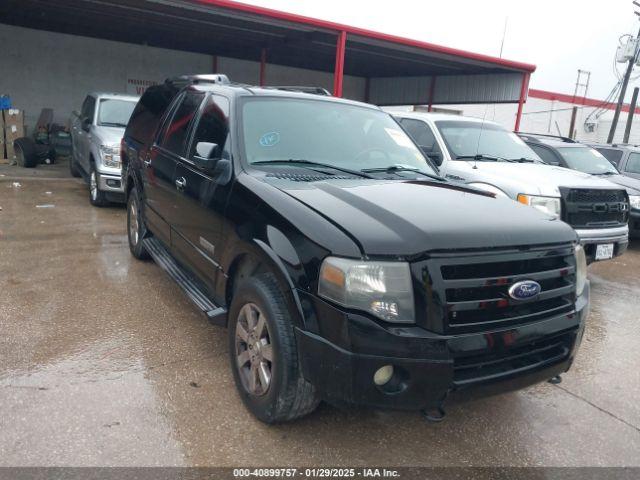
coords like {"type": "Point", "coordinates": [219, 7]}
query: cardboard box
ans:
{"type": "Point", "coordinates": [13, 116]}
{"type": "Point", "coordinates": [11, 133]}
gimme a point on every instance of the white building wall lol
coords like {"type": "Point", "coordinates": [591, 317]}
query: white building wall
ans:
{"type": "Point", "coordinates": [41, 69]}
{"type": "Point", "coordinates": [552, 117]}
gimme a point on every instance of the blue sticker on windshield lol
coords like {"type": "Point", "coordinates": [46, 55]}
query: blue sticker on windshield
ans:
{"type": "Point", "coordinates": [270, 139]}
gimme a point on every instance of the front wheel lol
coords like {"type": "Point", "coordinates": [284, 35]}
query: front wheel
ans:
{"type": "Point", "coordinates": [263, 353]}
{"type": "Point", "coordinates": [96, 196]}
{"type": "Point", "coordinates": [135, 227]}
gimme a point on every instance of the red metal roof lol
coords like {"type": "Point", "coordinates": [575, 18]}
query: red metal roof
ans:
{"type": "Point", "coordinates": [430, 47]}
{"type": "Point", "coordinates": [588, 102]}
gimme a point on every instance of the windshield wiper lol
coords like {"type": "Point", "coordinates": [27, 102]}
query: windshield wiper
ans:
{"type": "Point", "coordinates": [522, 160]}
{"type": "Point", "coordinates": [400, 168]}
{"type": "Point", "coordinates": [482, 157]}
{"type": "Point", "coordinates": [302, 161]}
{"type": "Point", "coordinates": [112, 124]}
{"type": "Point", "coordinates": [606, 174]}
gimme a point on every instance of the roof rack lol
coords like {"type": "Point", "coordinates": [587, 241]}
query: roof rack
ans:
{"type": "Point", "coordinates": [547, 135]}
{"type": "Point", "coordinates": [215, 78]}
{"type": "Point", "coordinates": [303, 89]}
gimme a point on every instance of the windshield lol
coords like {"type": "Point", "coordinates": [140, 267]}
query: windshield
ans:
{"type": "Point", "coordinates": [587, 160]}
{"type": "Point", "coordinates": [115, 112]}
{"type": "Point", "coordinates": [468, 139]}
{"type": "Point", "coordinates": [347, 136]}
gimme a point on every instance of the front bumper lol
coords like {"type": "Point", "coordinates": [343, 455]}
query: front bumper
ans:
{"type": "Point", "coordinates": [112, 186]}
{"type": "Point", "coordinates": [428, 366]}
{"type": "Point", "coordinates": [590, 238]}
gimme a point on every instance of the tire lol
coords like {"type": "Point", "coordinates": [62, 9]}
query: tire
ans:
{"type": "Point", "coordinates": [73, 168]}
{"type": "Point", "coordinates": [96, 196]}
{"type": "Point", "coordinates": [25, 150]}
{"type": "Point", "coordinates": [287, 395]}
{"type": "Point", "coordinates": [136, 230]}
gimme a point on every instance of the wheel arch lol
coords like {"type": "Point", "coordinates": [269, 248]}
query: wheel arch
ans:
{"type": "Point", "coordinates": [262, 258]}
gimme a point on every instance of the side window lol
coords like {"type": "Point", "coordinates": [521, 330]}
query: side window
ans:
{"type": "Point", "coordinates": [147, 116]}
{"type": "Point", "coordinates": [633, 163]}
{"type": "Point", "coordinates": [213, 126]}
{"type": "Point", "coordinates": [612, 155]}
{"type": "Point", "coordinates": [175, 136]}
{"type": "Point", "coordinates": [88, 108]}
{"type": "Point", "coordinates": [545, 154]}
{"type": "Point", "coordinates": [421, 134]}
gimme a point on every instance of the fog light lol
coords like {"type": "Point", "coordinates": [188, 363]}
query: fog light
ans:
{"type": "Point", "coordinates": [383, 375]}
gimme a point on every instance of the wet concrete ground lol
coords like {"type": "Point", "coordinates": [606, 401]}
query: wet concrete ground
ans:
{"type": "Point", "coordinates": [103, 361]}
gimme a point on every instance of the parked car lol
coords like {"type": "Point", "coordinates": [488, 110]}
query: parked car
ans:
{"type": "Point", "coordinates": [486, 155]}
{"type": "Point", "coordinates": [626, 158]}
{"type": "Point", "coordinates": [344, 267]}
{"type": "Point", "coordinates": [568, 153]}
{"type": "Point", "coordinates": [96, 132]}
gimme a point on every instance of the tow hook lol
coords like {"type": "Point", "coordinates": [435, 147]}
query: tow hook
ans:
{"type": "Point", "coordinates": [434, 415]}
{"type": "Point", "coordinates": [555, 380]}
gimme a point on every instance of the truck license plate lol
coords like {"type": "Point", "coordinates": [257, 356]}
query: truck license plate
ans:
{"type": "Point", "coordinates": [604, 251]}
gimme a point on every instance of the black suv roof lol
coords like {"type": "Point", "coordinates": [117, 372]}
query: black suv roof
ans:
{"type": "Point", "coordinates": [619, 146]}
{"type": "Point", "coordinates": [221, 83]}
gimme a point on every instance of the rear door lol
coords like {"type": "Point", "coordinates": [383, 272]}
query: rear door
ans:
{"type": "Point", "coordinates": [632, 165]}
{"type": "Point", "coordinates": [159, 167]}
{"type": "Point", "coordinates": [198, 229]}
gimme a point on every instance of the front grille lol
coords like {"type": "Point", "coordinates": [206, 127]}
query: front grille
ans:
{"type": "Point", "coordinates": [474, 289]}
{"type": "Point", "coordinates": [592, 208]}
{"type": "Point", "coordinates": [504, 360]}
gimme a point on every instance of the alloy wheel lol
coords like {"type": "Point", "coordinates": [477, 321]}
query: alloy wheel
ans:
{"type": "Point", "coordinates": [254, 351]}
{"type": "Point", "coordinates": [93, 185]}
{"type": "Point", "coordinates": [133, 223]}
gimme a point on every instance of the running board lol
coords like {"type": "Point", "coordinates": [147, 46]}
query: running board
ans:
{"type": "Point", "coordinates": [216, 314]}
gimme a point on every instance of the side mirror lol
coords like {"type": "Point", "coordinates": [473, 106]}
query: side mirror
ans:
{"type": "Point", "coordinates": [206, 155]}
{"type": "Point", "coordinates": [86, 124]}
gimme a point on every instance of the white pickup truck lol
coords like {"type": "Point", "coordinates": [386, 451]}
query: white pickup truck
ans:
{"type": "Point", "coordinates": [96, 132]}
{"type": "Point", "coordinates": [487, 156]}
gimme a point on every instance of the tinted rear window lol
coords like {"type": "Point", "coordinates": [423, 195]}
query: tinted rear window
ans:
{"type": "Point", "coordinates": [148, 113]}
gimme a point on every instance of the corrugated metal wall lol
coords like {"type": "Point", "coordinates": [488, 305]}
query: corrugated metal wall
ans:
{"type": "Point", "coordinates": [488, 88]}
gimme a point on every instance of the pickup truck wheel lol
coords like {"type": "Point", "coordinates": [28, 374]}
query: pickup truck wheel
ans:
{"type": "Point", "coordinates": [96, 196]}
{"type": "Point", "coordinates": [136, 230]}
{"type": "Point", "coordinates": [263, 353]}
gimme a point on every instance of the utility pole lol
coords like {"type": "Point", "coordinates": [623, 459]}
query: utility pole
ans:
{"type": "Point", "coordinates": [625, 83]}
{"type": "Point", "coordinates": [632, 111]}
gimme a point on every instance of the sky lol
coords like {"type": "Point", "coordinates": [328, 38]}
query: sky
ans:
{"type": "Point", "coordinates": [559, 36]}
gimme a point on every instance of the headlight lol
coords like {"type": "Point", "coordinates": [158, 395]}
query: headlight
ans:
{"type": "Point", "coordinates": [381, 288]}
{"type": "Point", "coordinates": [548, 205]}
{"type": "Point", "coordinates": [581, 269]}
{"type": "Point", "coordinates": [634, 200]}
{"type": "Point", "coordinates": [110, 155]}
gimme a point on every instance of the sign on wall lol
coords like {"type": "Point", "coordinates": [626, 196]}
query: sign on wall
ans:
{"type": "Point", "coordinates": [137, 86]}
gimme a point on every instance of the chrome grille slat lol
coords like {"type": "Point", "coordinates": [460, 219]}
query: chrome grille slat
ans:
{"type": "Point", "coordinates": [489, 281]}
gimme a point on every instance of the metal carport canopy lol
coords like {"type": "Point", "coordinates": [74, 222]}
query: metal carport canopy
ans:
{"type": "Point", "coordinates": [397, 71]}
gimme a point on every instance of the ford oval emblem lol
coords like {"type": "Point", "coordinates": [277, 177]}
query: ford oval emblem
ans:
{"type": "Point", "coordinates": [524, 290]}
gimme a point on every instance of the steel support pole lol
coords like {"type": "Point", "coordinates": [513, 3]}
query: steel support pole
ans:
{"type": "Point", "coordinates": [524, 88]}
{"type": "Point", "coordinates": [632, 111]}
{"type": "Point", "coordinates": [432, 90]}
{"type": "Point", "coordinates": [263, 67]}
{"type": "Point", "coordinates": [338, 75]}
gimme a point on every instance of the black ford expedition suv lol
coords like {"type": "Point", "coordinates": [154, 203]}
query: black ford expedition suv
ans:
{"type": "Point", "coordinates": [344, 267]}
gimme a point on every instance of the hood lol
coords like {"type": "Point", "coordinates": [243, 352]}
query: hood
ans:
{"type": "Point", "coordinates": [631, 184]}
{"type": "Point", "coordinates": [401, 218]}
{"type": "Point", "coordinates": [530, 178]}
{"type": "Point", "coordinates": [108, 135]}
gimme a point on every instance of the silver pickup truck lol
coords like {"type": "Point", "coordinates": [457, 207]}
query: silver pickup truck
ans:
{"type": "Point", "coordinates": [487, 156]}
{"type": "Point", "coordinates": [96, 132]}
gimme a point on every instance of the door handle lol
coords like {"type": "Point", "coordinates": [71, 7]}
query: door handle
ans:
{"type": "Point", "coordinates": [181, 183]}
